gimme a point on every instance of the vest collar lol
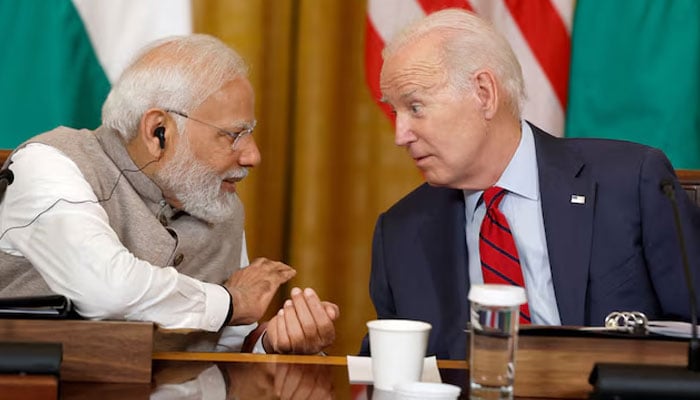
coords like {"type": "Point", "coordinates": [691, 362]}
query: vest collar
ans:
{"type": "Point", "coordinates": [113, 145]}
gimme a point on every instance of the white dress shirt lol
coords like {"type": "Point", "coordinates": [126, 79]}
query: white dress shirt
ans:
{"type": "Point", "coordinates": [78, 254]}
{"type": "Point", "coordinates": [522, 207]}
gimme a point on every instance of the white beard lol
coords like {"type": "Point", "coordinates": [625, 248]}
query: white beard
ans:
{"type": "Point", "coordinates": [198, 187]}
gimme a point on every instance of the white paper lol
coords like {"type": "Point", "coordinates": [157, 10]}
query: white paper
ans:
{"type": "Point", "coordinates": [670, 328]}
{"type": "Point", "coordinates": [360, 370]}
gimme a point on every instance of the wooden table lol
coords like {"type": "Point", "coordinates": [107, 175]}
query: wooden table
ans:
{"type": "Point", "coordinates": [547, 367]}
{"type": "Point", "coordinates": [247, 376]}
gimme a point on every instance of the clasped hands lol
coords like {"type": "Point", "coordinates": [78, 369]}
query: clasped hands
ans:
{"type": "Point", "coordinates": [304, 325]}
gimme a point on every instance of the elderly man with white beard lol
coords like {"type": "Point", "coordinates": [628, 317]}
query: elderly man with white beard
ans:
{"type": "Point", "coordinates": [139, 220]}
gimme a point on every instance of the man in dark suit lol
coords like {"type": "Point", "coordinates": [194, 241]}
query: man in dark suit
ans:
{"type": "Point", "coordinates": [593, 229]}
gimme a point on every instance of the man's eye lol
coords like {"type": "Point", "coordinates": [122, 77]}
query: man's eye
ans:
{"type": "Point", "coordinates": [416, 108]}
{"type": "Point", "coordinates": [235, 134]}
{"type": "Point", "coordinates": [230, 134]}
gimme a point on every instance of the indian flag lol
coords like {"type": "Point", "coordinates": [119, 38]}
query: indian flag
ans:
{"type": "Point", "coordinates": [60, 57]}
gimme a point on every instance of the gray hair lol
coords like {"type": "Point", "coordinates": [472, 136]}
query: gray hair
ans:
{"type": "Point", "coordinates": [176, 73]}
{"type": "Point", "coordinates": [469, 44]}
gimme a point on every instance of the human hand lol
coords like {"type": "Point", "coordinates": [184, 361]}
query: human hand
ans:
{"type": "Point", "coordinates": [303, 382]}
{"type": "Point", "coordinates": [304, 325]}
{"type": "Point", "coordinates": [262, 381]}
{"type": "Point", "coordinates": [253, 287]}
{"type": "Point", "coordinates": [250, 380]}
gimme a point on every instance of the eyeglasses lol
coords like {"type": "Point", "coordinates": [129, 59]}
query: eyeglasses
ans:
{"type": "Point", "coordinates": [235, 136]}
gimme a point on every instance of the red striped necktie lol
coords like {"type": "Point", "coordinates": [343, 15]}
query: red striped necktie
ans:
{"type": "Point", "coordinates": [500, 262]}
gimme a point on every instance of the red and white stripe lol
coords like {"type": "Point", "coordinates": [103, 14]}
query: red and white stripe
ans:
{"type": "Point", "coordinates": [538, 30]}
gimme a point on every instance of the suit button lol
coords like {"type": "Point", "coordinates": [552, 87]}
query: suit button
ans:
{"type": "Point", "coordinates": [178, 259]}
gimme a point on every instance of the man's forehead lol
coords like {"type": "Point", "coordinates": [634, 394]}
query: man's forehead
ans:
{"type": "Point", "coordinates": [234, 100]}
{"type": "Point", "coordinates": [412, 77]}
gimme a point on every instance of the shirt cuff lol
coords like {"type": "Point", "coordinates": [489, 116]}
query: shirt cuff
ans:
{"type": "Point", "coordinates": [230, 310]}
{"type": "Point", "coordinates": [218, 307]}
{"type": "Point", "coordinates": [253, 343]}
{"type": "Point", "coordinates": [259, 348]}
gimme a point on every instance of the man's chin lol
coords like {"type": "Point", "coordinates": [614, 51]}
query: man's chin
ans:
{"type": "Point", "coordinates": [436, 181]}
{"type": "Point", "coordinates": [214, 212]}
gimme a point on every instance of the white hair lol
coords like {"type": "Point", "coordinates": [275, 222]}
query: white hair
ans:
{"type": "Point", "coordinates": [469, 43]}
{"type": "Point", "coordinates": [177, 73]}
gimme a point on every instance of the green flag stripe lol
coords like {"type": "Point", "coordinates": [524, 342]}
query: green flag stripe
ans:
{"type": "Point", "coordinates": [49, 73]}
{"type": "Point", "coordinates": [635, 75]}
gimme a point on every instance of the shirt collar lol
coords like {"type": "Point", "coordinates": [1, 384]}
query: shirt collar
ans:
{"type": "Point", "coordinates": [520, 176]}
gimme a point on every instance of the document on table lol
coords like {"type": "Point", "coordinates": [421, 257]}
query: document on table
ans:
{"type": "Point", "coordinates": [360, 370]}
{"type": "Point", "coordinates": [671, 328]}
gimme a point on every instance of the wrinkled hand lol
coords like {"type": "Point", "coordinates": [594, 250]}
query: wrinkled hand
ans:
{"type": "Point", "coordinates": [253, 287]}
{"type": "Point", "coordinates": [304, 325]}
{"type": "Point", "coordinates": [262, 381]}
{"type": "Point", "coordinates": [303, 382]}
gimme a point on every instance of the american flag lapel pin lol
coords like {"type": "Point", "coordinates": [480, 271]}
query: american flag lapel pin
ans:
{"type": "Point", "coordinates": [578, 199]}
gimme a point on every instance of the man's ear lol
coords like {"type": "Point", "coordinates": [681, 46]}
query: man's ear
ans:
{"type": "Point", "coordinates": [487, 92]}
{"type": "Point", "coordinates": [153, 131]}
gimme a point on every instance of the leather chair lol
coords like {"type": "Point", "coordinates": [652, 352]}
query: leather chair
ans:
{"type": "Point", "coordinates": [690, 179]}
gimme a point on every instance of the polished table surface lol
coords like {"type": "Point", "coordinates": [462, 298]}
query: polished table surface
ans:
{"type": "Point", "coordinates": [546, 367]}
{"type": "Point", "coordinates": [554, 365]}
{"type": "Point", "coordinates": [246, 376]}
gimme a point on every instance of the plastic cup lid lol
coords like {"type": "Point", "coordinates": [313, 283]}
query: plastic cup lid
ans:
{"type": "Point", "coordinates": [497, 295]}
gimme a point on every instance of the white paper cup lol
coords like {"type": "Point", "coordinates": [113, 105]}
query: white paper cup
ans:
{"type": "Point", "coordinates": [398, 349]}
{"type": "Point", "coordinates": [379, 394]}
{"type": "Point", "coordinates": [426, 391]}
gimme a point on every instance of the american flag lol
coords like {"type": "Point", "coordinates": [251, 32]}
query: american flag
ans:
{"type": "Point", "coordinates": [538, 30]}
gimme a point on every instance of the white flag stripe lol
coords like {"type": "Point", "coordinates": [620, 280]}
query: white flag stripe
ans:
{"type": "Point", "coordinates": [565, 8]}
{"type": "Point", "coordinates": [390, 16]}
{"type": "Point", "coordinates": [541, 106]}
{"type": "Point", "coordinates": [117, 29]}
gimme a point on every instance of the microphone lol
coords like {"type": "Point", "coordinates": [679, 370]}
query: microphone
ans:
{"type": "Point", "coordinates": [633, 381]}
{"type": "Point", "coordinates": [694, 345]}
{"type": "Point", "coordinates": [6, 179]}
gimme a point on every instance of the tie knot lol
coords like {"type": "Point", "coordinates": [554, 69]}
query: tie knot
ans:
{"type": "Point", "coordinates": [493, 196]}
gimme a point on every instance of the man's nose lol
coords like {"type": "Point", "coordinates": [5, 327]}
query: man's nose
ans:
{"type": "Point", "coordinates": [249, 154]}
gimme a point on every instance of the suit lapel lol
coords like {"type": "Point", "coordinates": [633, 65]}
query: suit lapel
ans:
{"type": "Point", "coordinates": [568, 204]}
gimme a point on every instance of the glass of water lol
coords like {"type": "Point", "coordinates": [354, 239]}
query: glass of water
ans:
{"type": "Point", "coordinates": [495, 313]}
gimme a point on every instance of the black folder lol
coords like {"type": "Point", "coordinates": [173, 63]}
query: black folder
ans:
{"type": "Point", "coordinates": [36, 307]}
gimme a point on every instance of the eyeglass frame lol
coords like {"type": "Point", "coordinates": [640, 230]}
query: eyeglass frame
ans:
{"type": "Point", "coordinates": [236, 136]}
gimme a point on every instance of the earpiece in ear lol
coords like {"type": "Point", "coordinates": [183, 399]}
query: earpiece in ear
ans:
{"type": "Point", "coordinates": [159, 132]}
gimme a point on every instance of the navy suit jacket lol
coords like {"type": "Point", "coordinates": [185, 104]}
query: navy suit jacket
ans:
{"type": "Point", "coordinates": [617, 252]}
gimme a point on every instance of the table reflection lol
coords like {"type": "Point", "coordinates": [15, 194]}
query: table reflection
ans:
{"type": "Point", "coordinates": [243, 381]}
{"type": "Point", "coordinates": [248, 377]}
{"type": "Point", "coordinates": [268, 380]}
